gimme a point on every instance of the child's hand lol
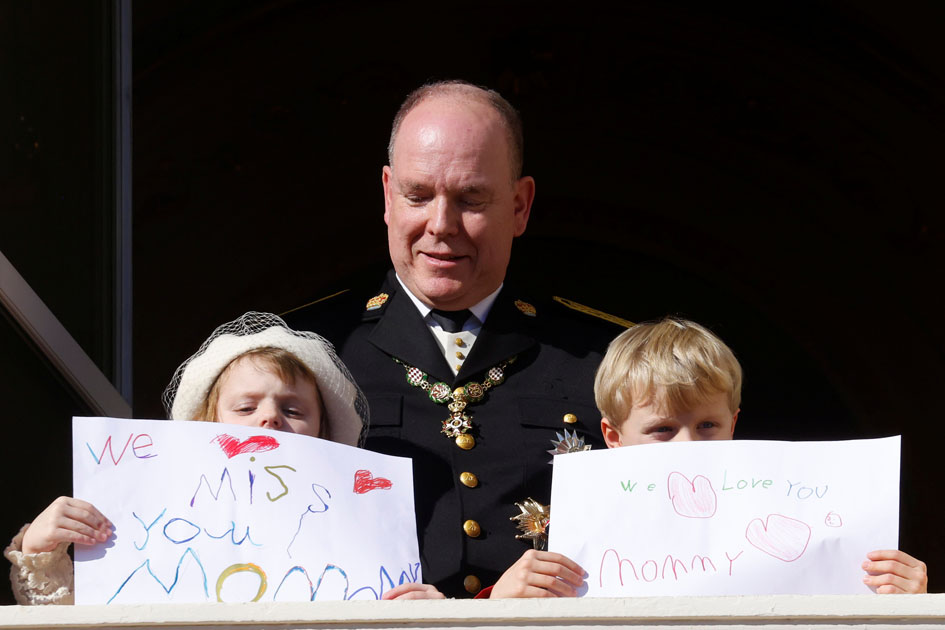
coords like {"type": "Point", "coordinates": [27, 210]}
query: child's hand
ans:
{"type": "Point", "coordinates": [894, 571]}
{"type": "Point", "coordinates": [540, 574]}
{"type": "Point", "coordinates": [413, 590]}
{"type": "Point", "coordinates": [66, 520]}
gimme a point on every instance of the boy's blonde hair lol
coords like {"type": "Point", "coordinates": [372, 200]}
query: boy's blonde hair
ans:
{"type": "Point", "coordinates": [673, 362]}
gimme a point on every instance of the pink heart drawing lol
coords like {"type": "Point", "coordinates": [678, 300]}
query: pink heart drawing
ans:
{"type": "Point", "coordinates": [692, 499]}
{"type": "Point", "coordinates": [255, 444]}
{"type": "Point", "coordinates": [779, 536]}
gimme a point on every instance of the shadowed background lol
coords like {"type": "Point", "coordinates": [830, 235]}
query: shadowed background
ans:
{"type": "Point", "coordinates": [771, 171]}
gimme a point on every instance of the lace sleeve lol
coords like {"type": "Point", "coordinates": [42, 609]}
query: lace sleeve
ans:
{"type": "Point", "coordinates": [40, 578]}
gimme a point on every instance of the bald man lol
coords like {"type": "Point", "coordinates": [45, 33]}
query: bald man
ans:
{"type": "Point", "coordinates": [468, 376]}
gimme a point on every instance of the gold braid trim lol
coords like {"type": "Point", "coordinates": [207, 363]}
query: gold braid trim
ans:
{"type": "Point", "coordinates": [321, 299]}
{"type": "Point", "coordinates": [626, 323]}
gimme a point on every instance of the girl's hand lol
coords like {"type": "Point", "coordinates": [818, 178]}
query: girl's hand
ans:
{"type": "Point", "coordinates": [66, 520]}
{"type": "Point", "coordinates": [894, 571]}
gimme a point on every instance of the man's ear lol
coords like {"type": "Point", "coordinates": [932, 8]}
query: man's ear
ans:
{"type": "Point", "coordinates": [388, 193]}
{"type": "Point", "coordinates": [610, 433]}
{"type": "Point", "coordinates": [734, 420]}
{"type": "Point", "coordinates": [524, 196]}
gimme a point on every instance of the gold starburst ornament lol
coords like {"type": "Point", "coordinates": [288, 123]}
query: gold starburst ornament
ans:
{"type": "Point", "coordinates": [533, 522]}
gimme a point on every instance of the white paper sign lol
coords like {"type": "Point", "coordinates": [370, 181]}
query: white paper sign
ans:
{"type": "Point", "coordinates": [726, 517]}
{"type": "Point", "coordinates": [217, 512]}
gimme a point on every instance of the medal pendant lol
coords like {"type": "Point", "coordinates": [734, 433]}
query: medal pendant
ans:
{"type": "Point", "coordinates": [456, 425]}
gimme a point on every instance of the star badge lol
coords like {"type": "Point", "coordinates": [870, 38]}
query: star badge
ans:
{"type": "Point", "coordinates": [568, 443]}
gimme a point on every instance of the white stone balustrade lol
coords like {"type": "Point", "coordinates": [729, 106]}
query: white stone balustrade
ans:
{"type": "Point", "coordinates": [915, 612]}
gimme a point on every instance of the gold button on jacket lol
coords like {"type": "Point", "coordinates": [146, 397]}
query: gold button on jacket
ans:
{"type": "Point", "coordinates": [465, 441]}
{"type": "Point", "coordinates": [469, 480]}
{"type": "Point", "coordinates": [472, 528]}
{"type": "Point", "coordinates": [472, 584]}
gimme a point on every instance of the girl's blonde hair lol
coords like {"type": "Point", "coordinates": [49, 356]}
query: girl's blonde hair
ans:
{"type": "Point", "coordinates": [280, 362]}
{"type": "Point", "coordinates": [673, 362]}
{"type": "Point", "coordinates": [188, 394]}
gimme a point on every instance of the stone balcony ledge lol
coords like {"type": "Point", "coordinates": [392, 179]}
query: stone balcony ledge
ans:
{"type": "Point", "coordinates": [914, 612]}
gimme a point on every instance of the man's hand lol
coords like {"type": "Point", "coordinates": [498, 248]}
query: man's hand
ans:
{"type": "Point", "coordinates": [894, 571]}
{"type": "Point", "coordinates": [540, 574]}
{"type": "Point", "coordinates": [66, 520]}
{"type": "Point", "coordinates": [413, 590]}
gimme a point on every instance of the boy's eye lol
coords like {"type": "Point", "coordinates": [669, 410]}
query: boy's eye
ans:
{"type": "Point", "coordinates": [663, 429]}
{"type": "Point", "coordinates": [292, 412]}
{"type": "Point", "coordinates": [707, 424]}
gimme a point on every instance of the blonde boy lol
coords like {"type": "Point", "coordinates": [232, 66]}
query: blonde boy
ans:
{"type": "Point", "coordinates": [665, 381]}
{"type": "Point", "coordinates": [673, 380]}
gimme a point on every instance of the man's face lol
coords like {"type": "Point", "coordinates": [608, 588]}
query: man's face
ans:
{"type": "Point", "coordinates": [710, 420]}
{"type": "Point", "coordinates": [450, 204]}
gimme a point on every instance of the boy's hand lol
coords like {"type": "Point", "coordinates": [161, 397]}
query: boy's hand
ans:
{"type": "Point", "coordinates": [894, 571]}
{"type": "Point", "coordinates": [413, 590]}
{"type": "Point", "coordinates": [66, 520]}
{"type": "Point", "coordinates": [540, 574]}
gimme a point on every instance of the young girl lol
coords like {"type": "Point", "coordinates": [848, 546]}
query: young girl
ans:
{"type": "Point", "coordinates": [254, 371]}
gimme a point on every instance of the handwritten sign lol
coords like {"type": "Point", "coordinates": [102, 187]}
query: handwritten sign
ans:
{"type": "Point", "coordinates": [219, 512]}
{"type": "Point", "coordinates": [726, 518]}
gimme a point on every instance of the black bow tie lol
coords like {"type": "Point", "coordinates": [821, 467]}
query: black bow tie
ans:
{"type": "Point", "coordinates": [450, 321]}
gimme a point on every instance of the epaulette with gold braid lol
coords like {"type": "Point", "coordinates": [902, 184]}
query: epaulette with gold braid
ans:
{"type": "Point", "coordinates": [626, 323]}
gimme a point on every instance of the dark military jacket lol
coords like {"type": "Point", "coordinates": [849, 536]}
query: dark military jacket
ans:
{"type": "Point", "coordinates": [557, 352]}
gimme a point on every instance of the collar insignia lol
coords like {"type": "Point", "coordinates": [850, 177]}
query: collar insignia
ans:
{"type": "Point", "coordinates": [526, 308]}
{"type": "Point", "coordinates": [376, 302]}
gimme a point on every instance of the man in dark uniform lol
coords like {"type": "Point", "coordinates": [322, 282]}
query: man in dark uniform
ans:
{"type": "Point", "coordinates": [473, 380]}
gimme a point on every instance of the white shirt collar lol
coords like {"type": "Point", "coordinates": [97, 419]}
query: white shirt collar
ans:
{"type": "Point", "coordinates": [480, 310]}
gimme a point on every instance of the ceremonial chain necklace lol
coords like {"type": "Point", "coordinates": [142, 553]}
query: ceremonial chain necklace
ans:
{"type": "Point", "coordinates": [459, 423]}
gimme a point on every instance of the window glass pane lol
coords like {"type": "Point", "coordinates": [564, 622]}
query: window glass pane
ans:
{"type": "Point", "coordinates": [56, 162]}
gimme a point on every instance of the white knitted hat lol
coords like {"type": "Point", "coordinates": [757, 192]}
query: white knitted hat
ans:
{"type": "Point", "coordinates": [345, 404]}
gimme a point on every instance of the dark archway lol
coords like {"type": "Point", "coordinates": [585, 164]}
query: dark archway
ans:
{"type": "Point", "coordinates": [770, 171]}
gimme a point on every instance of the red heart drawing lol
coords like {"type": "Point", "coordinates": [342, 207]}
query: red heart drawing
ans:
{"type": "Point", "coordinates": [692, 499]}
{"type": "Point", "coordinates": [255, 444]}
{"type": "Point", "coordinates": [364, 482]}
{"type": "Point", "coordinates": [779, 536]}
